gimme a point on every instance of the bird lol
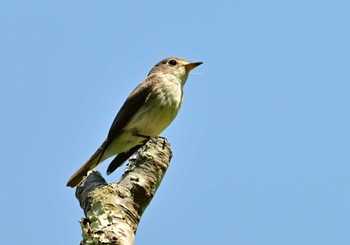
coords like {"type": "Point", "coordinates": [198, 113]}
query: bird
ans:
{"type": "Point", "coordinates": [147, 112]}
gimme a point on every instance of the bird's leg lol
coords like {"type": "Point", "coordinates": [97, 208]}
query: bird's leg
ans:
{"type": "Point", "coordinates": [143, 136]}
{"type": "Point", "coordinates": [164, 140]}
{"type": "Point", "coordinates": [147, 138]}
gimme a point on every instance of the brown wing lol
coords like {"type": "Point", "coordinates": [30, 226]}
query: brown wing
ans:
{"type": "Point", "coordinates": [132, 104]}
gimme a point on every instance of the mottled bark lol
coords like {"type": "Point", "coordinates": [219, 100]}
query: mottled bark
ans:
{"type": "Point", "coordinates": [114, 210]}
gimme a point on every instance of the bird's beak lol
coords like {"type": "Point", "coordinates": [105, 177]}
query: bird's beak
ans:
{"type": "Point", "coordinates": [193, 65]}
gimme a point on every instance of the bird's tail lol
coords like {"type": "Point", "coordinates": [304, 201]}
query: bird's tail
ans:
{"type": "Point", "coordinates": [90, 164]}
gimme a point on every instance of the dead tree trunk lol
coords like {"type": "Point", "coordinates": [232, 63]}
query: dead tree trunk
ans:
{"type": "Point", "coordinates": [113, 211]}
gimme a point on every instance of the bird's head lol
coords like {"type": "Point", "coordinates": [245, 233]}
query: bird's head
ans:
{"type": "Point", "coordinates": [175, 66]}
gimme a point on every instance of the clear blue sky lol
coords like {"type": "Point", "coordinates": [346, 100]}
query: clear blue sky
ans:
{"type": "Point", "coordinates": [261, 145]}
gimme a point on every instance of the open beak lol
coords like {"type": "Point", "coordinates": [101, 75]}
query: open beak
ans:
{"type": "Point", "coordinates": [193, 65]}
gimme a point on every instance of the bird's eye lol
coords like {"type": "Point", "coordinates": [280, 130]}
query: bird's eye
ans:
{"type": "Point", "coordinates": [172, 62]}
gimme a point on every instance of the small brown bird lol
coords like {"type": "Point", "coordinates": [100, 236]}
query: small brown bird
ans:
{"type": "Point", "coordinates": [148, 110]}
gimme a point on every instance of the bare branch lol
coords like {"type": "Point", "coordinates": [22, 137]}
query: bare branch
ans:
{"type": "Point", "coordinates": [113, 211]}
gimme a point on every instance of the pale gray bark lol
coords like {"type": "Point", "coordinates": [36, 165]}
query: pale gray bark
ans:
{"type": "Point", "coordinates": [113, 211]}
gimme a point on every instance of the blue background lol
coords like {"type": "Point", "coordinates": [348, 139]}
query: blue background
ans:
{"type": "Point", "coordinates": [261, 145]}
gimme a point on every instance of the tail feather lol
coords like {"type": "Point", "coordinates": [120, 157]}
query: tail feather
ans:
{"type": "Point", "coordinates": [90, 164]}
{"type": "Point", "coordinates": [121, 158]}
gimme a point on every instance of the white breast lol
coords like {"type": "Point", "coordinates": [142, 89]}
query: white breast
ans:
{"type": "Point", "coordinates": [159, 110]}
